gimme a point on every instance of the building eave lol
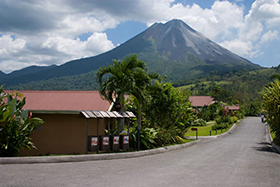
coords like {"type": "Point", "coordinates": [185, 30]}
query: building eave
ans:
{"type": "Point", "coordinates": [55, 111]}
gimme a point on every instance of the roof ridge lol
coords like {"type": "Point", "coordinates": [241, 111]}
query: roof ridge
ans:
{"type": "Point", "coordinates": [62, 91]}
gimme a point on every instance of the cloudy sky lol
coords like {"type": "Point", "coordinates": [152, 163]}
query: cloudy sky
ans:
{"type": "Point", "coordinates": [46, 32]}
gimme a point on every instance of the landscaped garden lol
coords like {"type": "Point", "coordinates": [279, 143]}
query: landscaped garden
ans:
{"type": "Point", "coordinates": [206, 130]}
{"type": "Point", "coordinates": [164, 113]}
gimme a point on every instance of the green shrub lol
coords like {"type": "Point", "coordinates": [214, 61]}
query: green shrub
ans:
{"type": "Point", "coordinates": [233, 119]}
{"type": "Point", "coordinates": [218, 120]}
{"type": "Point", "coordinates": [147, 138]}
{"type": "Point", "coordinates": [179, 139]}
{"type": "Point", "coordinates": [199, 122]}
{"type": "Point", "coordinates": [16, 124]}
{"type": "Point", "coordinates": [271, 102]}
{"type": "Point", "coordinates": [164, 137]}
{"type": "Point", "coordinates": [168, 136]}
{"type": "Point", "coordinates": [220, 126]}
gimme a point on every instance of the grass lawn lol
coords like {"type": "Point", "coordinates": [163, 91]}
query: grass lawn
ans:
{"type": "Point", "coordinates": [187, 140]}
{"type": "Point", "coordinates": [205, 130]}
{"type": "Point", "coordinates": [206, 83]}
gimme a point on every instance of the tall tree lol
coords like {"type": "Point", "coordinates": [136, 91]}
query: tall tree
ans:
{"type": "Point", "coordinates": [142, 81]}
{"type": "Point", "coordinates": [117, 79]}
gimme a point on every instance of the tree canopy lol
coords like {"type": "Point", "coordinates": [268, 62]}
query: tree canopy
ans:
{"type": "Point", "coordinates": [118, 78]}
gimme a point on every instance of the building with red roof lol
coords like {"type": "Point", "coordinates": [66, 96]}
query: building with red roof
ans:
{"type": "Point", "coordinates": [232, 108]}
{"type": "Point", "coordinates": [70, 117]}
{"type": "Point", "coordinates": [63, 101]}
{"type": "Point", "coordinates": [201, 101]}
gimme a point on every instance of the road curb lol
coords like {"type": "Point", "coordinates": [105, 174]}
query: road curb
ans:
{"type": "Point", "coordinates": [82, 158]}
{"type": "Point", "coordinates": [217, 136]}
{"type": "Point", "coordinates": [274, 146]}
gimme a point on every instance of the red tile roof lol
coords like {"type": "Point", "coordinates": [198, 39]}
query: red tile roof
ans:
{"type": "Point", "coordinates": [200, 101]}
{"type": "Point", "coordinates": [232, 107]}
{"type": "Point", "coordinates": [63, 100]}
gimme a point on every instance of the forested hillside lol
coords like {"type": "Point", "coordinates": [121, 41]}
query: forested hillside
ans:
{"type": "Point", "coordinates": [241, 87]}
{"type": "Point", "coordinates": [86, 81]}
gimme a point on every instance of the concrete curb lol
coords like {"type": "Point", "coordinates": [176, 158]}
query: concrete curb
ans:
{"type": "Point", "coordinates": [274, 146]}
{"type": "Point", "coordinates": [217, 136]}
{"type": "Point", "coordinates": [82, 158]}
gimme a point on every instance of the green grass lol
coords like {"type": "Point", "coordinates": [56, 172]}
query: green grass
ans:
{"type": "Point", "coordinates": [205, 130]}
{"type": "Point", "coordinates": [187, 140]}
{"type": "Point", "coordinates": [206, 84]}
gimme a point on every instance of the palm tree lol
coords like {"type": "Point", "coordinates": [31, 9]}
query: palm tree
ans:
{"type": "Point", "coordinates": [142, 80]}
{"type": "Point", "coordinates": [118, 79]}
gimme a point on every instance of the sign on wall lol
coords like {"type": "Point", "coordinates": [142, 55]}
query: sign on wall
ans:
{"type": "Point", "coordinates": [116, 140]}
{"type": "Point", "coordinates": [125, 139]}
{"type": "Point", "coordinates": [105, 140]}
{"type": "Point", "coordinates": [94, 141]}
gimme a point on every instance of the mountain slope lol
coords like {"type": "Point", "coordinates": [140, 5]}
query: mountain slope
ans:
{"type": "Point", "coordinates": [28, 70]}
{"type": "Point", "coordinates": [2, 75]}
{"type": "Point", "coordinates": [173, 49]}
{"type": "Point", "coordinates": [178, 38]}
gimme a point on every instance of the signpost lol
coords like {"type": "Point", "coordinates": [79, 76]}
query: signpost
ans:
{"type": "Point", "coordinates": [195, 129]}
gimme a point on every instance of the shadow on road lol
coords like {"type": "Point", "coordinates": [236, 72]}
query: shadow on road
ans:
{"type": "Point", "coordinates": [265, 147]}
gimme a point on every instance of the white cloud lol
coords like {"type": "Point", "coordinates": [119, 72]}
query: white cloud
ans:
{"type": "Point", "coordinates": [95, 44]}
{"type": "Point", "coordinates": [46, 32]}
{"type": "Point", "coordinates": [10, 46]}
{"type": "Point", "coordinates": [269, 36]}
{"type": "Point", "coordinates": [240, 47]}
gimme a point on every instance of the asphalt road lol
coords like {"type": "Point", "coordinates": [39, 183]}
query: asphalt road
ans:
{"type": "Point", "coordinates": [243, 158]}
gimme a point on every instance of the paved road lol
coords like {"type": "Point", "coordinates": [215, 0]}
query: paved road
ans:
{"type": "Point", "coordinates": [243, 158]}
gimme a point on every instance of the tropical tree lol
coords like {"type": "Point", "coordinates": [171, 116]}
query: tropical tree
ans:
{"type": "Point", "coordinates": [16, 124]}
{"type": "Point", "coordinates": [169, 109]}
{"type": "Point", "coordinates": [271, 103]}
{"type": "Point", "coordinates": [142, 81]}
{"type": "Point", "coordinates": [167, 114]}
{"type": "Point", "coordinates": [117, 79]}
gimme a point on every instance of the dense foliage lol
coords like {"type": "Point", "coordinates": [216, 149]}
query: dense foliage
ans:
{"type": "Point", "coordinates": [15, 124]}
{"type": "Point", "coordinates": [271, 103]}
{"type": "Point", "coordinates": [77, 82]}
{"type": "Point", "coordinates": [219, 113]}
{"type": "Point", "coordinates": [166, 118]}
{"type": "Point", "coordinates": [237, 87]}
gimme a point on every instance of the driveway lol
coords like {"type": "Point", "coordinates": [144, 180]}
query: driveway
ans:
{"type": "Point", "coordinates": [243, 158]}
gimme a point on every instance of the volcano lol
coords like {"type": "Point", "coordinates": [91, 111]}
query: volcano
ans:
{"type": "Point", "coordinates": [173, 49]}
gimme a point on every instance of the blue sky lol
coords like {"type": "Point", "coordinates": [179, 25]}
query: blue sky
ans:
{"type": "Point", "coordinates": [54, 32]}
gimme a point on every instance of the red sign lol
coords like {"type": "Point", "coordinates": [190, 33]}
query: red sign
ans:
{"type": "Point", "coordinates": [194, 129]}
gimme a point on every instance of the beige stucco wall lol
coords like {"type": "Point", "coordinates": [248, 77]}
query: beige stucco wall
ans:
{"type": "Point", "coordinates": [63, 134]}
